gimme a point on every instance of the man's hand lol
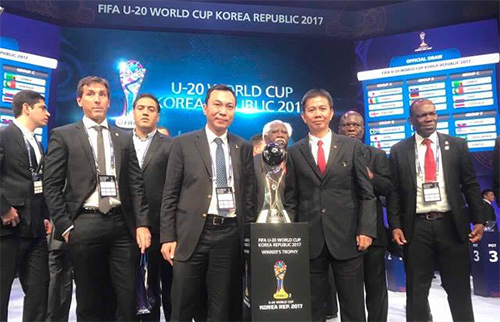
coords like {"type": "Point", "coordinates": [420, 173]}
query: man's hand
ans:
{"type": "Point", "coordinates": [399, 237]}
{"type": "Point", "coordinates": [48, 226]}
{"type": "Point", "coordinates": [143, 237]}
{"type": "Point", "coordinates": [363, 242]}
{"type": "Point", "coordinates": [66, 237]}
{"type": "Point", "coordinates": [477, 233]}
{"type": "Point", "coordinates": [11, 217]}
{"type": "Point", "coordinates": [168, 251]}
{"type": "Point", "coordinates": [370, 173]}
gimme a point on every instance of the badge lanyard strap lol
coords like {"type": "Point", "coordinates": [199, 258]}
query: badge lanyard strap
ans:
{"type": "Point", "coordinates": [230, 172]}
{"type": "Point", "coordinates": [94, 154]}
{"type": "Point", "coordinates": [32, 169]}
{"type": "Point", "coordinates": [419, 167]}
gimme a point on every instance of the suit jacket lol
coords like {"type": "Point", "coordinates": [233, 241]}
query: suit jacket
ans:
{"type": "Point", "coordinates": [378, 163]}
{"type": "Point", "coordinates": [460, 181]}
{"type": "Point", "coordinates": [496, 169]}
{"type": "Point", "coordinates": [188, 189]}
{"type": "Point", "coordinates": [489, 211]}
{"type": "Point", "coordinates": [70, 176]}
{"type": "Point", "coordinates": [16, 186]}
{"type": "Point", "coordinates": [154, 171]}
{"type": "Point", "coordinates": [337, 205]}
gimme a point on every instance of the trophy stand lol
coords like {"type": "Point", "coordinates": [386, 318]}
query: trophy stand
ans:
{"type": "Point", "coordinates": [276, 254]}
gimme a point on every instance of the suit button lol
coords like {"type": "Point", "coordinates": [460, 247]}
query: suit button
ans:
{"type": "Point", "coordinates": [204, 215]}
{"type": "Point", "coordinates": [323, 210]}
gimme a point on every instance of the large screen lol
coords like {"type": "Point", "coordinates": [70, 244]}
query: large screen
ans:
{"type": "Point", "coordinates": [455, 67]}
{"type": "Point", "coordinates": [269, 74]}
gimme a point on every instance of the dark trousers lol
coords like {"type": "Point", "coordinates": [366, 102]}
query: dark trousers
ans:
{"type": "Point", "coordinates": [210, 272]}
{"type": "Point", "coordinates": [61, 284]}
{"type": "Point", "coordinates": [160, 281]}
{"type": "Point", "coordinates": [29, 257]}
{"type": "Point", "coordinates": [437, 241]}
{"type": "Point", "coordinates": [105, 258]}
{"type": "Point", "coordinates": [331, 295]}
{"type": "Point", "coordinates": [348, 276]}
{"type": "Point", "coordinates": [375, 284]}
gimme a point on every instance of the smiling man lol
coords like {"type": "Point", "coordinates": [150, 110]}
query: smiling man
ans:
{"type": "Point", "coordinates": [431, 174]}
{"type": "Point", "coordinates": [207, 199]}
{"type": "Point", "coordinates": [95, 194]}
{"type": "Point", "coordinates": [327, 186]}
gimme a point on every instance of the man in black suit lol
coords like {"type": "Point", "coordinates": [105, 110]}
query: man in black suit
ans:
{"type": "Point", "coordinates": [496, 170]}
{"type": "Point", "coordinates": [490, 217]}
{"type": "Point", "coordinates": [352, 125]}
{"type": "Point", "coordinates": [25, 219]}
{"type": "Point", "coordinates": [95, 193]}
{"type": "Point", "coordinates": [327, 186]}
{"type": "Point", "coordinates": [278, 132]}
{"type": "Point", "coordinates": [431, 174]}
{"type": "Point", "coordinates": [152, 149]}
{"type": "Point", "coordinates": [208, 197]}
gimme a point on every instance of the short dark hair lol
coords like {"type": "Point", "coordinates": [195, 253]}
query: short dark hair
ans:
{"type": "Point", "coordinates": [485, 191]}
{"type": "Point", "coordinates": [315, 92]}
{"type": "Point", "coordinates": [86, 81]}
{"type": "Point", "coordinates": [220, 87]}
{"type": "Point", "coordinates": [25, 96]}
{"type": "Point", "coordinates": [256, 138]}
{"type": "Point", "coordinates": [418, 102]}
{"type": "Point", "coordinates": [147, 95]}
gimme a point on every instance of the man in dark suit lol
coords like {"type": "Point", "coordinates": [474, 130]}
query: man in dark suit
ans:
{"type": "Point", "coordinates": [208, 197]}
{"type": "Point", "coordinates": [278, 132]}
{"type": "Point", "coordinates": [25, 219]}
{"type": "Point", "coordinates": [95, 193]}
{"type": "Point", "coordinates": [352, 125]}
{"type": "Point", "coordinates": [152, 149]}
{"type": "Point", "coordinates": [431, 174]}
{"type": "Point", "coordinates": [327, 186]}
{"type": "Point", "coordinates": [490, 216]}
{"type": "Point", "coordinates": [496, 170]}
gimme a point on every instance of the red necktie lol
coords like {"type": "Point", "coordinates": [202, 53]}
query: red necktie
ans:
{"type": "Point", "coordinates": [321, 158]}
{"type": "Point", "coordinates": [430, 162]}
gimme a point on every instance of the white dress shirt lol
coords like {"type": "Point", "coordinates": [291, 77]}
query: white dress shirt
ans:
{"type": "Point", "coordinates": [141, 146]}
{"type": "Point", "coordinates": [30, 137]}
{"type": "Point", "coordinates": [327, 142]}
{"type": "Point", "coordinates": [212, 209]}
{"type": "Point", "coordinates": [440, 206]}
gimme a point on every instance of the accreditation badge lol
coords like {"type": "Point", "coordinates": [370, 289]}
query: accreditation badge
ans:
{"type": "Point", "coordinates": [225, 198]}
{"type": "Point", "coordinates": [37, 183]}
{"type": "Point", "coordinates": [107, 186]}
{"type": "Point", "coordinates": [431, 191]}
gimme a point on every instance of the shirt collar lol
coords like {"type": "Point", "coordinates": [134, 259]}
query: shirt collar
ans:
{"type": "Point", "coordinates": [149, 136]}
{"type": "Point", "coordinates": [487, 201]}
{"type": "Point", "coordinates": [211, 136]}
{"type": "Point", "coordinates": [433, 137]}
{"type": "Point", "coordinates": [91, 123]}
{"type": "Point", "coordinates": [326, 139]}
{"type": "Point", "coordinates": [27, 133]}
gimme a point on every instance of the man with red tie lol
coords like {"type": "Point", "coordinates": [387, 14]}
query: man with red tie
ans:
{"type": "Point", "coordinates": [431, 174]}
{"type": "Point", "coordinates": [327, 186]}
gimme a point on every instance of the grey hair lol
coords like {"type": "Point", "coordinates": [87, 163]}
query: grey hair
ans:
{"type": "Point", "coordinates": [267, 127]}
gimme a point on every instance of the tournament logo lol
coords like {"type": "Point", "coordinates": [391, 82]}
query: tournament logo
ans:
{"type": "Point", "coordinates": [131, 76]}
{"type": "Point", "coordinates": [423, 46]}
{"type": "Point", "coordinates": [279, 273]}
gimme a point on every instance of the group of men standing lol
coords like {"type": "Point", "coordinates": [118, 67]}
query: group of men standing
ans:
{"type": "Point", "coordinates": [113, 195]}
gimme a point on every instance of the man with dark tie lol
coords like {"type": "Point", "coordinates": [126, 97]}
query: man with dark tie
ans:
{"type": "Point", "coordinates": [208, 197]}
{"type": "Point", "coordinates": [95, 193]}
{"type": "Point", "coordinates": [25, 219]}
{"type": "Point", "coordinates": [327, 186]}
{"type": "Point", "coordinates": [490, 216]}
{"type": "Point", "coordinates": [152, 149]}
{"type": "Point", "coordinates": [352, 125]}
{"type": "Point", "coordinates": [432, 173]}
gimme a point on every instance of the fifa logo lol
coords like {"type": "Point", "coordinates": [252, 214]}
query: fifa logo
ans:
{"type": "Point", "coordinates": [279, 273]}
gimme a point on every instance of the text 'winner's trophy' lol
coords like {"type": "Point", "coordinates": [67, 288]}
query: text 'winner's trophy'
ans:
{"type": "Point", "coordinates": [273, 160]}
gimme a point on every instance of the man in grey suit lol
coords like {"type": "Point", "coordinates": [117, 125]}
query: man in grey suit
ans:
{"type": "Point", "coordinates": [432, 176]}
{"type": "Point", "coordinates": [152, 149]}
{"type": "Point", "coordinates": [327, 186]}
{"type": "Point", "coordinates": [25, 219]}
{"type": "Point", "coordinates": [208, 197]}
{"type": "Point", "coordinates": [95, 193]}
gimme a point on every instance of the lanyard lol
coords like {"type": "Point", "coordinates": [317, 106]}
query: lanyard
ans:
{"type": "Point", "coordinates": [94, 154]}
{"type": "Point", "coordinates": [32, 169]}
{"type": "Point", "coordinates": [419, 167]}
{"type": "Point", "coordinates": [230, 172]}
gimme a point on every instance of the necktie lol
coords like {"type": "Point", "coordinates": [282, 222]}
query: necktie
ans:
{"type": "Point", "coordinates": [220, 168]}
{"type": "Point", "coordinates": [321, 158]}
{"type": "Point", "coordinates": [104, 205]}
{"type": "Point", "coordinates": [430, 162]}
{"type": "Point", "coordinates": [34, 162]}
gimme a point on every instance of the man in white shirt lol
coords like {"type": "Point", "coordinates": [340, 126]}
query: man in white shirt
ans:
{"type": "Point", "coordinates": [431, 174]}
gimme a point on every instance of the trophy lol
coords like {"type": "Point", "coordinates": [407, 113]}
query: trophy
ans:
{"type": "Point", "coordinates": [279, 273]}
{"type": "Point", "coordinates": [131, 76]}
{"type": "Point", "coordinates": [273, 156]}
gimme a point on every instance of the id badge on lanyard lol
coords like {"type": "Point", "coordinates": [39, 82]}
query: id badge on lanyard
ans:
{"type": "Point", "coordinates": [37, 182]}
{"type": "Point", "coordinates": [431, 191]}
{"type": "Point", "coordinates": [107, 185]}
{"type": "Point", "coordinates": [225, 198]}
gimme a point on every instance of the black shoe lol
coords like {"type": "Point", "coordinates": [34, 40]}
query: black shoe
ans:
{"type": "Point", "coordinates": [331, 316]}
